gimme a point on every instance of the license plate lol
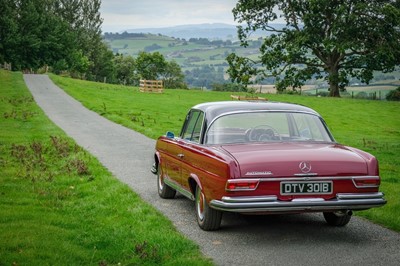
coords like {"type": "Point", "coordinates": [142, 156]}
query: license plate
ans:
{"type": "Point", "coordinates": [301, 188]}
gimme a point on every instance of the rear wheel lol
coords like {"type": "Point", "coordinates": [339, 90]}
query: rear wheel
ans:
{"type": "Point", "coordinates": [207, 218]}
{"type": "Point", "coordinates": [338, 218]}
{"type": "Point", "coordinates": [164, 190]}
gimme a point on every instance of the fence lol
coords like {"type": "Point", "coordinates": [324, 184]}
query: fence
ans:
{"type": "Point", "coordinates": [155, 86]}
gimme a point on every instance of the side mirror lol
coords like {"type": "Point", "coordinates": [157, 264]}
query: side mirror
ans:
{"type": "Point", "coordinates": [170, 135]}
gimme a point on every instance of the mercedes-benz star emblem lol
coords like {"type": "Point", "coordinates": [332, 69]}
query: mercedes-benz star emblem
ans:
{"type": "Point", "coordinates": [305, 167]}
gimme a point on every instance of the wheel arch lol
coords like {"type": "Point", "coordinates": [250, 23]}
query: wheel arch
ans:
{"type": "Point", "coordinates": [157, 159]}
{"type": "Point", "coordinates": [194, 181]}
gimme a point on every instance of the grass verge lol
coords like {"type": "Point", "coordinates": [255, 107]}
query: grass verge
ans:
{"type": "Point", "coordinates": [373, 126]}
{"type": "Point", "coordinates": [59, 206]}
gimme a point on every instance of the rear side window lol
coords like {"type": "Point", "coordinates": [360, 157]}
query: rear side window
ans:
{"type": "Point", "coordinates": [310, 128]}
{"type": "Point", "coordinates": [193, 126]}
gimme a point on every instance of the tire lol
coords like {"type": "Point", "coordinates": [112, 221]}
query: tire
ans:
{"type": "Point", "coordinates": [339, 218]}
{"type": "Point", "coordinates": [207, 218]}
{"type": "Point", "coordinates": [164, 191]}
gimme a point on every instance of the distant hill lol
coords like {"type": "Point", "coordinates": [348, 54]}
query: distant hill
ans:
{"type": "Point", "coordinates": [201, 51]}
{"type": "Point", "coordinates": [210, 31]}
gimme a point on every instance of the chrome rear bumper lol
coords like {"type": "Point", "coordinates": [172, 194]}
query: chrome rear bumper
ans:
{"type": "Point", "coordinates": [343, 201]}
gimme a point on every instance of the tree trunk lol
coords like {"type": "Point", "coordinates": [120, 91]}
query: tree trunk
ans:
{"type": "Point", "coordinates": [334, 90]}
{"type": "Point", "coordinates": [333, 80]}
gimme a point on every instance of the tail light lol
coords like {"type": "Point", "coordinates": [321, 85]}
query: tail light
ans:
{"type": "Point", "coordinates": [242, 184]}
{"type": "Point", "coordinates": [367, 181]}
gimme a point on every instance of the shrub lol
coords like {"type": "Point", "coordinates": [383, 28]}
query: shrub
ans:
{"type": "Point", "coordinates": [323, 93]}
{"type": "Point", "coordinates": [361, 95]}
{"type": "Point", "coordinates": [393, 95]}
{"type": "Point", "coordinates": [229, 87]}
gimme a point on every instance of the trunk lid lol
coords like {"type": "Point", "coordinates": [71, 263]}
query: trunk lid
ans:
{"type": "Point", "coordinates": [296, 159]}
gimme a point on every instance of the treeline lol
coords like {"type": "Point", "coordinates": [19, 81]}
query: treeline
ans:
{"type": "Point", "coordinates": [64, 36]}
{"type": "Point", "coordinates": [124, 35]}
{"type": "Point", "coordinates": [205, 41]}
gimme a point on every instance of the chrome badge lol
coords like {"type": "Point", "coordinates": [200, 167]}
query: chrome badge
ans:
{"type": "Point", "coordinates": [305, 167]}
{"type": "Point", "coordinates": [259, 173]}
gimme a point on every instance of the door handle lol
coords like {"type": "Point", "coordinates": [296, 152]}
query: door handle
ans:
{"type": "Point", "coordinates": [181, 155]}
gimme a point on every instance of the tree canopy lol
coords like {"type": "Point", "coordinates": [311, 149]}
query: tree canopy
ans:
{"type": "Point", "coordinates": [330, 39]}
{"type": "Point", "coordinates": [61, 33]}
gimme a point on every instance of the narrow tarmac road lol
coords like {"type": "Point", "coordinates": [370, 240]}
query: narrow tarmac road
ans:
{"type": "Point", "coordinates": [242, 240]}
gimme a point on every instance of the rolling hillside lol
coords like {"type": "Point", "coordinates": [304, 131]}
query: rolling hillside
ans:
{"type": "Point", "coordinates": [208, 55]}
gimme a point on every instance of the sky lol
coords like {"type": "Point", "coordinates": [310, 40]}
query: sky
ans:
{"type": "Point", "coordinates": [119, 15]}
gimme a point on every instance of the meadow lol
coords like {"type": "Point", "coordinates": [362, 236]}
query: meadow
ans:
{"type": "Point", "coordinates": [60, 206]}
{"type": "Point", "coordinates": [373, 126]}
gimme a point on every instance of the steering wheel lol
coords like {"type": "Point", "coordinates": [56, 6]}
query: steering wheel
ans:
{"type": "Point", "coordinates": [263, 133]}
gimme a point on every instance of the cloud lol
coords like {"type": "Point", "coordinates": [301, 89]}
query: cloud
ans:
{"type": "Point", "coordinates": [159, 13]}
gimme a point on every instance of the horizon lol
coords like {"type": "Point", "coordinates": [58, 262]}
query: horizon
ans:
{"type": "Point", "coordinates": [127, 27]}
{"type": "Point", "coordinates": [120, 15]}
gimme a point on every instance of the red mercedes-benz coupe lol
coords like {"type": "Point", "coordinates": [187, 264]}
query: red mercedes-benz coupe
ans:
{"type": "Point", "coordinates": [264, 157]}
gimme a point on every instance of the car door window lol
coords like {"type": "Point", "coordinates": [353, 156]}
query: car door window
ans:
{"type": "Point", "coordinates": [194, 126]}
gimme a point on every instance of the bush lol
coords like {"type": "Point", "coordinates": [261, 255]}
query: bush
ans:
{"type": "Point", "coordinates": [393, 95]}
{"type": "Point", "coordinates": [361, 95]}
{"type": "Point", "coordinates": [323, 94]}
{"type": "Point", "coordinates": [228, 87]}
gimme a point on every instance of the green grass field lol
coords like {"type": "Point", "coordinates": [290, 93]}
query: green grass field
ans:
{"type": "Point", "coordinates": [373, 126]}
{"type": "Point", "coordinates": [60, 206]}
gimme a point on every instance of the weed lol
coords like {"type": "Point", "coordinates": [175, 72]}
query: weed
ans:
{"type": "Point", "coordinates": [134, 118]}
{"type": "Point", "coordinates": [12, 114]}
{"type": "Point", "coordinates": [104, 109]}
{"type": "Point", "coordinates": [19, 152]}
{"type": "Point", "coordinates": [27, 114]}
{"type": "Point", "coordinates": [37, 148]}
{"type": "Point", "coordinates": [79, 166]}
{"type": "Point", "coordinates": [20, 100]}
{"type": "Point", "coordinates": [146, 252]}
{"type": "Point", "coordinates": [61, 145]}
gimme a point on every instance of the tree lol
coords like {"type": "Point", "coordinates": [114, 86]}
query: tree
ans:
{"type": "Point", "coordinates": [84, 23]}
{"type": "Point", "coordinates": [330, 39]}
{"type": "Point", "coordinates": [8, 30]}
{"type": "Point", "coordinates": [101, 66]}
{"type": "Point", "coordinates": [173, 76]}
{"type": "Point", "coordinates": [124, 69]}
{"type": "Point", "coordinates": [150, 66]}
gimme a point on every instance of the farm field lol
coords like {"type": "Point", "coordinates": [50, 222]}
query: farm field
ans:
{"type": "Point", "coordinates": [60, 206]}
{"type": "Point", "coordinates": [373, 126]}
{"type": "Point", "coordinates": [187, 54]}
